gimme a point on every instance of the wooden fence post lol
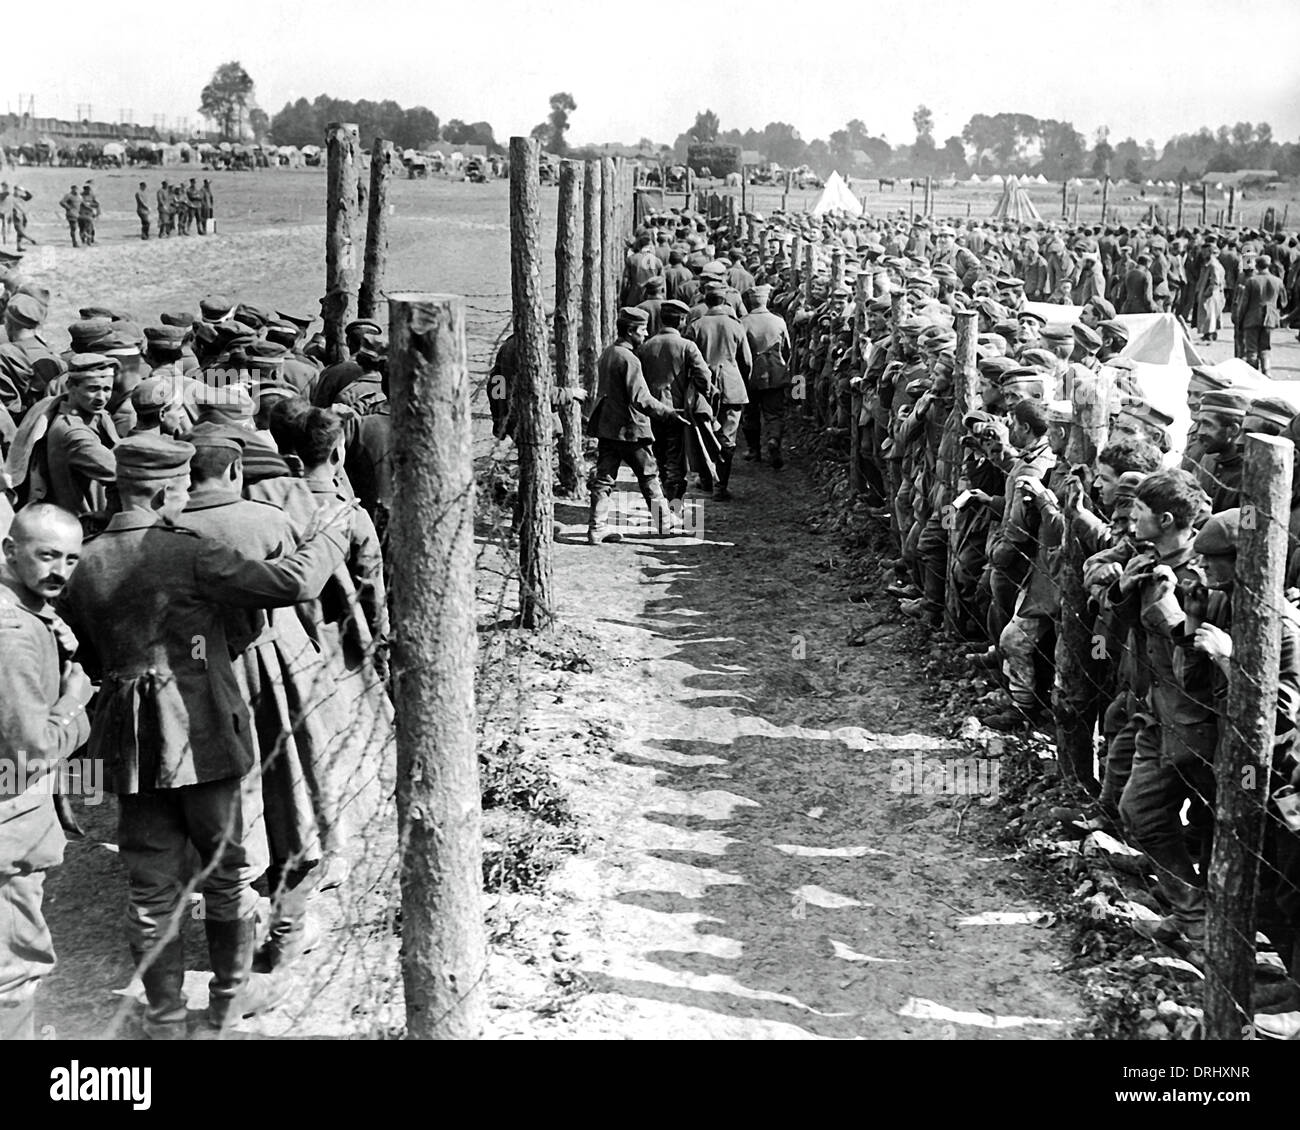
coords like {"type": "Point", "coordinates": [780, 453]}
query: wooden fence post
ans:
{"type": "Point", "coordinates": [1245, 754]}
{"type": "Point", "coordinates": [1105, 196]}
{"type": "Point", "coordinates": [532, 392]}
{"type": "Point", "coordinates": [1205, 201]}
{"type": "Point", "coordinates": [862, 296]}
{"type": "Point", "coordinates": [593, 326]}
{"type": "Point", "coordinates": [809, 269]}
{"type": "Point", "coordinates": [340, 258]}
{"type": "Point", "coordinates": [611, 266]}
{"type": "Point", "coordinates": [1076, 709]}
{"type": "Point", "coordinates": [965, 388]}
{"type": "Point", "coordinates": [1180, 203]}
{"type": "Point", "coordinates": [444, 943]}
{"type": "Point", "coordinates": [568, 290]}
{"type": "Point", "coordinates": [376, 257]}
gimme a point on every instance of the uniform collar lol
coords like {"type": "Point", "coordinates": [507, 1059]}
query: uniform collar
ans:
{"type": "Point", "coordinates": [133, 520]}
{"type": "Point", "coordinates": [23, 596]}
{"type": "Point", "coordinates": [208, 498]}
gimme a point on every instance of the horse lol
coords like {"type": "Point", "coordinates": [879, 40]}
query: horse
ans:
{"type": "Point", "coordinates": [882, 181]}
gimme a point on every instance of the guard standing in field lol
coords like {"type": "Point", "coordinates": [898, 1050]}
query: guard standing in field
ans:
{"type": "Point", "coordinates": [142, 209]}
{"type": "Point", "coordinates": [163, 198]}
{"type": "Point", "coordinates": [87, 213]}
{"type": "Point", "coordinates": [43, 697]}
{"type": "Point", "coordinates": [149, 602]}
{"type": "Point", "coordinates": [620, 422]}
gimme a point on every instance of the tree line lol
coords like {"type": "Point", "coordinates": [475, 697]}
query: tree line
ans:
{"type": "Point", "coordinates": [1007, 143]}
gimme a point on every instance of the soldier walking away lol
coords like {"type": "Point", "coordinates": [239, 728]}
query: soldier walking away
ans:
{"type": "Point", "coordinates": [71, 205]}
{"type": "Point", "coordinates": [620, 422]}
{"type": "Point", "coordinates": [142, 209]}
{"type": "Point", "coordinates": [18, 217]}
{"type": "Point", "coordinates": [43, 697]}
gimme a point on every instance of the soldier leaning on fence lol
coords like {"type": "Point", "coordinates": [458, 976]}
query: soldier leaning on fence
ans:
{"type": "Point", "coordinates": [148, 602]}
{"type": "Point", "coordinates": [1177, 732]}
{"type": "Point", "coordinates": [43, 697]}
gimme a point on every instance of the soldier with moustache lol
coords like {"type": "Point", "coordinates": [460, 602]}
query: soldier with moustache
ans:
{"type": "Point", "coordinates": [43, 698]}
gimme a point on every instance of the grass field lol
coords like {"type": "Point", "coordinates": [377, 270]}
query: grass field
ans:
{"type": "Point", "coordinates": [444, 235]}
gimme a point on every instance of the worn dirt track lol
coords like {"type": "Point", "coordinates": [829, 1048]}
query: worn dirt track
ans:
{"type": "Point", "coordinates": [752, 875]}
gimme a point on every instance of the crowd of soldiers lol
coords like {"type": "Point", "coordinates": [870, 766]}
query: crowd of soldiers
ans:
{"type": "Point", "coordinates": [856, 323]}
{"type": "Point", "coordinates": [13, 214]}
{"type": "Point", "coordinates": [192, 597]}
{"type": "Point", "coordinates": [180, 209]}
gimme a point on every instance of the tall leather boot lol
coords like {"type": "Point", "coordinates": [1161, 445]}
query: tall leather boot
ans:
{"type": "Point", "coordinates": [164, 988]}
{"type": "Point", "coordinates": [235, 991]}
{"type": "Point", "coordinates": [598, 530]}
{"type": "Point", "coordinates": [720, 491]}
{"type": "Point", "coordinates": [663, 519]}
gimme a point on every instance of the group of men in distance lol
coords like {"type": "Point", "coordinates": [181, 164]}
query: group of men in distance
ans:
{"type": "Point", "coordinates": [192, 595]}
{"type": "Point", "coordinates": [180, 210]}
{"type": "Point", "coordinates": [1157, 528]}
{"type": "Point", "coordinates": [13, 214]}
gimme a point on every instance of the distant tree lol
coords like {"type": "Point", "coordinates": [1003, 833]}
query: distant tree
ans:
{"type": "Point", "coordinates": [782, 144]}
{"type": "Point", "coordinates": [419, 128]}
{"type": "Point", "coordinates": [1224, 162]}
{"type": "Point", "coordinates": [645, 145]}
{"type": "Point", "coordinates": [705, 129]}
{"type": "Point", "coordinates": [540, 132]}
{"type": "Point", "coordinates": [1132, 170]}
{"type": "Point", "coordinates": [923, 120]}
{"type": "Point", "coordinates": [259, 123]}
{"type": "Point", "coordinates": [456, 132]}
{"type": "Point", "coordinates": [227, 98]}
{"type": "Point", "coordinates": [562, 105]}
{"type": "Point", "coordinates": [1102, 154]}
{"type": "Point", "coordinates": [954, 156]}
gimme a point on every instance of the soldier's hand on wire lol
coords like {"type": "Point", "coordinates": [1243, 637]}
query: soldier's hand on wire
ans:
{"type": "Point", "coordinates": [1138, 567]}
{"type": "Point", "coordinates": [1163, 583]}
{"type": "Point", "coordinates": [1214, 642]}
{"type": "Point", "coordinates": [980, 498]}
{"type": "Point", "coordinates": [1105, 574]}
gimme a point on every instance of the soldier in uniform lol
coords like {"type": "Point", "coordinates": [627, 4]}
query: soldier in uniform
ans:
{"type": "Point", "coordinates": [676, 373]}
{"type": "Point", "coordinates": [725, 346]}
{"type": "Point", "coordinates": [194, 198]}
{"type": "Point", "coordinates": [207, 205]}
{"type": "Point", "coordinates": [142, 209]}
{"type": "Point", "coordinates": [27, 364]}
{"type": "Point", "coordinates": [620, 422]}
{"type": "Point", "coordinates": [18, 217]}
{"type": "Point", "coordinates": [78, 467]}
{"type": "Point", "coordinates": [163, 200]}
{"type": "Point", "coordinates": [769, 345]}
{"type": "Point", "coordinates": [87, 213]}
{"type": "Point", "coordinates": [71, 205]}
{"type": "Point", "coordinates": [150, 601]}
{"type": "Point", "coordinates": [43, 697]}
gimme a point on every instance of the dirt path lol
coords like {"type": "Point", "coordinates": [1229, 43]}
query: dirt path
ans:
{"type": "Point", "coordinates": [751, 872]}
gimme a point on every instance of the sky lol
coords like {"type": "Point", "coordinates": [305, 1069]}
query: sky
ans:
{"type": "Point", "coordinates": [1145, 68]}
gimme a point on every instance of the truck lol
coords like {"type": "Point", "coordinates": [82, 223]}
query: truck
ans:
{"type": "Point", "coordinates": [713, 160]}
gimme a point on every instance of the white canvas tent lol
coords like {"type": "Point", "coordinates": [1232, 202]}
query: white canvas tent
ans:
{"type": "Point", "coordinates": [974, 179]}
{"type": "Point", "coordinates": [1015, 204]}
{"type": "Point", "coordinates": [837, 197]}
{"type": "Point", "coordinates": [1040, 179]}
